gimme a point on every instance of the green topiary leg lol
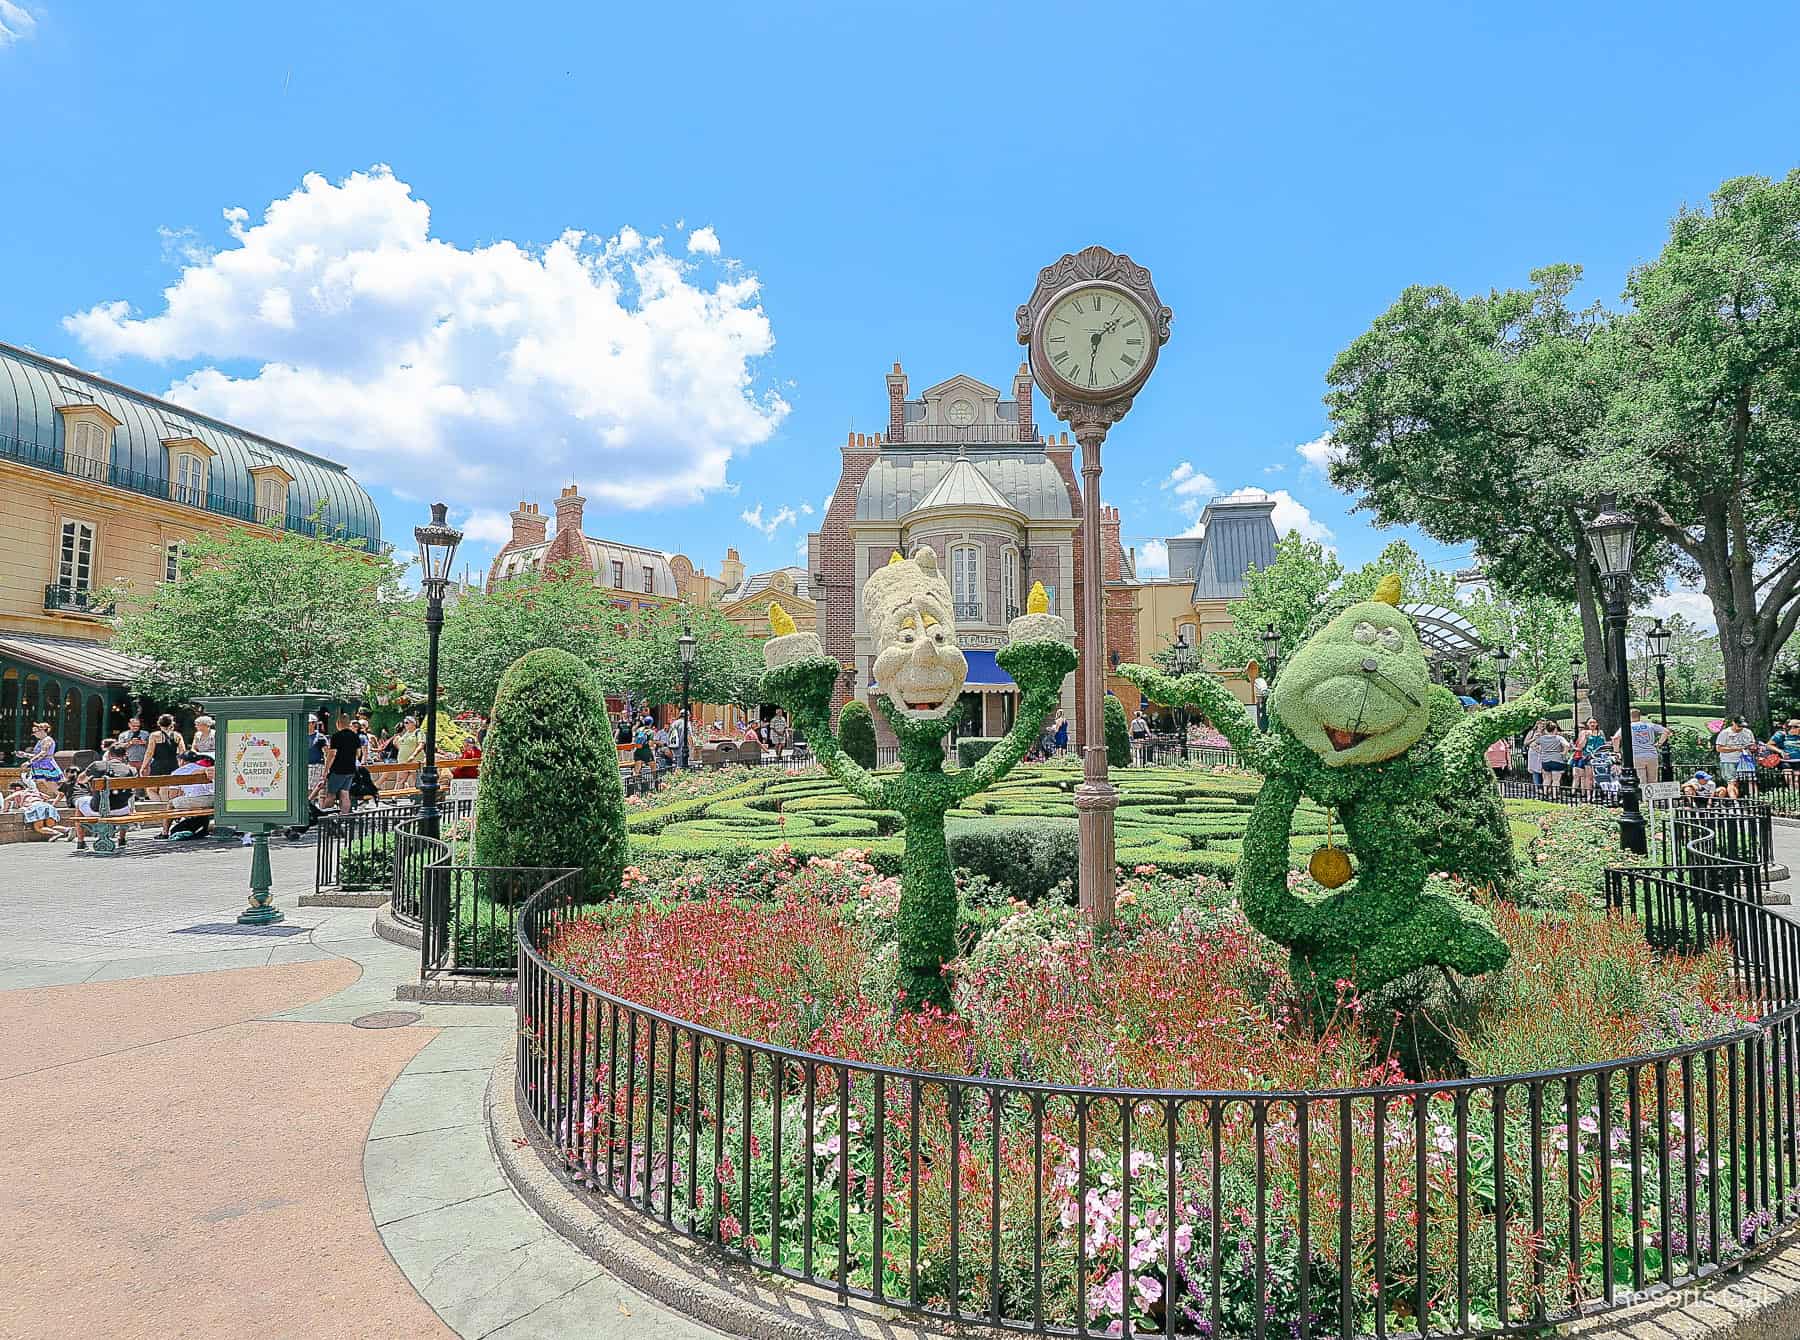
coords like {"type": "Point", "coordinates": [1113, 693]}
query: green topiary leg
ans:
{"type": "Point", "coordinates": [927, 923]}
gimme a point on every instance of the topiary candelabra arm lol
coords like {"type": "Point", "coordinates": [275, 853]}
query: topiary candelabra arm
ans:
{"type": "Point", "coordinates": [1462, 746]}
{"type": "Point", "coordinates": [1262, 882]}
{"type": "Point", "coordinates": [1039, 669]}
{"type": "Point", "coordinates": [1217, 704]}
{"type": "Point", "coordinates": [804, 688]}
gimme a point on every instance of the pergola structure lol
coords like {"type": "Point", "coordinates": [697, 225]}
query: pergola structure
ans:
{"type": "Point", "coordinates": [81, 687]}
{"type": "Point", "coordinates": [1449, 641]}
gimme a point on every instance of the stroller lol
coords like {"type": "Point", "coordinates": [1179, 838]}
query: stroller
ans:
{"type": "Point", "coordinates": [1606, 768]}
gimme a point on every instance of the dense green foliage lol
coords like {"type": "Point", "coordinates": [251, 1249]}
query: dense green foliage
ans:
{"type": "Point", "coordinates": [254, 612]}
{"type": "Point", "coordinates": [367, 863]}
{"type": "Point", "coordinates": [1026, 857]}
{"type": "Point", "coordinates": [973, 748]}
{"type": "Point", "coordinates": [1406, 792]}
{"type": "Point", "coordinates": [923, 793]}
{"type": "Point", "coordinates": [551, 793]}
{"type": "Point", "coordinates": [1118, 733]}
{"type": "Point", "coordinates": [856, 729]}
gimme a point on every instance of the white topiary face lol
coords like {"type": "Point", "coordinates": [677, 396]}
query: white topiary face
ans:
{"type": "Point", "coordinates": [907, 607]}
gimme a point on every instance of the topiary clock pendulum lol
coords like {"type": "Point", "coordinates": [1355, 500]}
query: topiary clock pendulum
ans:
{"type": "Point", "coordinates": [919, 670]}
{"type": "Point", "coordinates": [1354, 725]}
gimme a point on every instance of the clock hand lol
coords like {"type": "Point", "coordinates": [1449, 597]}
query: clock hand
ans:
{"type": "Point", "coordinates": [1370, 667]}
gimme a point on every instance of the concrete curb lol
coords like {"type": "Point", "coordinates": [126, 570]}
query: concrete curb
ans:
{"type": "Point", "coordinates": [460, 991]}
{"type": "Point", "coordinates": [343, 899]}
{"type": "Point", "coordinates": [683, 1276]}
{"type": "Point", "coordinates": [694, 1281]}
{"type": "Point", "coordinates": [395, 931]}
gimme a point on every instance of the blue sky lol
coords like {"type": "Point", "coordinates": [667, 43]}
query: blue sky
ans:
{"type": "Point", "coordinates": [778, 200]}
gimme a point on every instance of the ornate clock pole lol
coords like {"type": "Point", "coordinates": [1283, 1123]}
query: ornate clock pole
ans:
{"type": "Point", "coordinates": [1094, 326]}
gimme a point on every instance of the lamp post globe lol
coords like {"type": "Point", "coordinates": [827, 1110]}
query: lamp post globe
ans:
{"type": "Point", "coordinates": [1612, 537]}
{"type": "Point", "coordinates": [437, 542]}
{"type": "Point", "coordinates": [1502, 659]}
{"type": "Point", "coordinates": [1184, 662]}
{"type": "Point", "coordinates": [687, 642]}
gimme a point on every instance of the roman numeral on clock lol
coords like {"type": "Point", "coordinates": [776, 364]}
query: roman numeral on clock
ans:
{"type": "Point", "coordinates": [1129, 339]}
{"type": "Point", "coordinates": [1096, 302]}
{"type": "Point", "coordinates": [1128, 360]}
{"type": "Point", "coordinates": [1060, 356]}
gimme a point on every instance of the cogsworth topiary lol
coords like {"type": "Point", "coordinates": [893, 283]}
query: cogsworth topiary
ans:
{"type": "Point", "coordinates": [920, 672]}
{"type": "Point", "coordinates": [1351, 727]}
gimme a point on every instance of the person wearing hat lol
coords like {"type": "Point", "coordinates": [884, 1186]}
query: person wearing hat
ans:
{"type": "Point", "coordinates": [1736, 745]}
{"type": "Point", "coordinates": [1700, 788]}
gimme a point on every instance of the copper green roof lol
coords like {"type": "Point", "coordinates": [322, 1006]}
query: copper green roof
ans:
{"type": "Point", "coordinates": [32, 388]}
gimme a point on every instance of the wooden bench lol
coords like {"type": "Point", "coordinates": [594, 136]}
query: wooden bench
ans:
{"type": "Point", "coordinates": [111, 829]}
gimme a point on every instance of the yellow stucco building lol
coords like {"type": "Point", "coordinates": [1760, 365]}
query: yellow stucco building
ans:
{"type": "Point", "coordinates": [102, 485]}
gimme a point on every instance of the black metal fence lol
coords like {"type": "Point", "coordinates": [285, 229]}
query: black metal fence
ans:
{"type": "Point", "coordinates": [356, 850]}
{"type": "Point", "coordinates": [1448, 1208]}
{"type": "Point", "coordinates": [466, 914]}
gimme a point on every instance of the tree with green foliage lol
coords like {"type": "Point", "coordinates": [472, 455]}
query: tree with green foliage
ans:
{"type": "Point", "coordinates": [1704, 426]}
{"type": "Point", "coordinates": [1472, 418]}
{"type": "Point", "coordinates": [1286, 593]}
{"type": "Point", "coordinates": [1118, 733]}
{"type": "Point", "coordinates": [551, 793]}
{"type": "Point", "coordinates": [856, 733]}
{"type": "Point", "coordinates": [488, 631]}
{"type": "Point", "coordinates": [1541, 633]}
{"type": "Point", "coordinates": [254, 611]}
{"type": "Point", "coordinates": [644, 665]}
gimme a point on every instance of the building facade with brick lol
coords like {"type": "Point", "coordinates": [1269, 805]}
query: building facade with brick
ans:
{"type": "Point", "coordinates": [102, 486]}
{"type": "Point", "coordinates": [961, 469]}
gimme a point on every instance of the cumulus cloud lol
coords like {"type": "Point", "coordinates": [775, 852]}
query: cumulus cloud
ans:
{"type": "Point", "coordinates": [753, 518]}
{"type": "Point", "coordinates": [1290, 514]}
{"type": "Point", "coordinates": [703, 242]}
{"type": "Point", "coordinates": [484, 526]}
{"type": "Point", "coordinates": [15, 24]}
{"type": "Point", "coordinates": [1187, 482]}
{"type": "Point", "coordinates": [1320, 454]}
{"type": "Point", "coordinates": [462, 372]}
{"type": "Point", "coordinates": [1694, 606]}
{"type": "Point", "coordinates": [1153, 559]}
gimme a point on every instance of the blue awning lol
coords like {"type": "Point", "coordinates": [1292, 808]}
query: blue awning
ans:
{"type": "Point", "coordinates": [984, 673]}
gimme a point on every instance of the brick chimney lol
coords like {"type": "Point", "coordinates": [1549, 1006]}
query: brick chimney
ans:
{"type": "Point", "coordinates": [731, 571]}
{"type": "Point", "coordinates": [529, 526]}
{"type": "Point", "coordinates": [1112, 552]}
{"type": "Point", "coordinates": [896, 384]}
{"type": "Point", "coordinates": [1022, 394]}
{"type": "Point", "coordinates": [570, 545]}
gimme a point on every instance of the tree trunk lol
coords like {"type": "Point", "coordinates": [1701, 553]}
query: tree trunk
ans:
{"type": "Point", "coordinates": [1747, 668]}
{"type": "Point", "coordinates": [1592, 608]}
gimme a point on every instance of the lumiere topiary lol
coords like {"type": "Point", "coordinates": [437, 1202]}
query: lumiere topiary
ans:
{"type": "Point", "coordinates": [919, 671]}
{"type": "Point", "coordinates": [1351, 727]}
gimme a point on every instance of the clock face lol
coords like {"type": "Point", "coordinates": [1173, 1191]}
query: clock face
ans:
{"type": "Point", "coordinates": [1096, 339]}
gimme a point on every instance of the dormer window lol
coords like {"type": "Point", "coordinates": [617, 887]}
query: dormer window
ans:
{"type": "Point", "coordinates": [87, 441]}
{"type": "Point", "coordinates": [189, 459]}
{"type": "Point", "coordinates": [270, 483]}
{"type": "Point", "coordinates": [618, 574]}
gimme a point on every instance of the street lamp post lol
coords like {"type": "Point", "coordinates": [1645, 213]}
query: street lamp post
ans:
{"type": "Point", "coordinates": [1575, 664]}
{"type": "Point", "coordinates": [687, 642]}
{"type": "Point", "coordinates": [1184, 662]}
{"type": "Point", "coordinates": [1271, 645]}
{"type": "Point", "coordinates": [437, 550]}
{"type": "Point", "coordinates": [1502, 659]}
{"type": "Point", "coordinates": [1659, 638]}
{"type": "Point", "coordinates": [1611, 537]}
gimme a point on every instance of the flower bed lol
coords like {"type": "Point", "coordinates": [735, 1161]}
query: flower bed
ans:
{"type": "Point", "coordinates": [941, 1162]}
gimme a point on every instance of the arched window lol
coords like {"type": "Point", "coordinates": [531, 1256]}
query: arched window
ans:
{"type": "Point", "coordinates": [965, 582]}
{"type": "Point", "coordinates": [190, 479]}
{"type": "Point", "coordinates": [1186, 635]}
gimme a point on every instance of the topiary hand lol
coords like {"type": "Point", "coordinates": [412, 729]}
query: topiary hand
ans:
{"type": "Point", "coordinates": [1217, 704]}
{"type": "Point", "coordinates": [804, 688]}
{"type": "Point", "coordinates": [1039, 669]}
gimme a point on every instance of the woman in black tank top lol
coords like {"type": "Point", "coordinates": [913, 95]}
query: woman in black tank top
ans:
{"type": "Point", "coordinates": [166, 746]}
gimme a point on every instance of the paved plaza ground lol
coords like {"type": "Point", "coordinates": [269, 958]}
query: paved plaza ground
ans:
{"type": "Point", "coordinates": [201, 1142]}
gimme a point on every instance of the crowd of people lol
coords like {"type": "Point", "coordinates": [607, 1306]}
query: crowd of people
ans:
{"type": "Point", "coordinates": [45, 788]}
{"type": "Point", "coordinates": [338, 760]}
{"type": "Point", "coordinates": [1583, 760]}
{"type": "Point", "coordinates": [655, 748]}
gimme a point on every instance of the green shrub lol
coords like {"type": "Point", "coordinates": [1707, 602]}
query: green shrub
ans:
{"type": "Point", "coordinates": [483, 936]}
{"type": "Point", "coordinates": [856, 733]}
{"type": "Point", "coordinates": [1027, 857]}
{"type": "Point", "coordinates": [367, 863]}
{"type": "Point", "coordinates": [1118, 734]}
{"type": "Point", "coordinates": [550, 793]}
{"type": "Point", "coordinates": [973, 748]}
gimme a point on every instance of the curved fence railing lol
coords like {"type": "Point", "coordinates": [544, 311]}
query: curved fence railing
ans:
{"type": "Point", "coordinates": [356, 850]}
{"type": "Point", "coordinates": [466, 914]}
{"type": "Point", "coordinates": [1462, 1208]}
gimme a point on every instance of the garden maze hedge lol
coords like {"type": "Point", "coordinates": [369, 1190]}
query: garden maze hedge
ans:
{"type": "Point", "coordinates": [1178, 819]}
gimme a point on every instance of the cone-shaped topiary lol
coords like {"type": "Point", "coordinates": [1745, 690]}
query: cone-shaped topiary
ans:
{"type": "Point", "coordinates": [856, 733]}
{"type": "Point", "coordinates": [1118, 735]}
{"type": "Point", "coordinates": [551, 793]}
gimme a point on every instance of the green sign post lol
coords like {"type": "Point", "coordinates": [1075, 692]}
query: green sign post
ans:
{"type": "Point", "coordinates": [259, 778]}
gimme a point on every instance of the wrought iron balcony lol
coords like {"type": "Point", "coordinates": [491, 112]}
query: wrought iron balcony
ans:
{"type": "Point", "coordinates": [968, 611]}
{"type": "Point", "coordinates": [72, 600]}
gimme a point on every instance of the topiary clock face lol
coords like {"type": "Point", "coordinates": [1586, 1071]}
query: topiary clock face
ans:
{"type": "Point", "coordinates": [1358, 691]}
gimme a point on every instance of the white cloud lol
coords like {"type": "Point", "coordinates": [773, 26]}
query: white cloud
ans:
{"type": "Point", "coordinates": [1153, 559]}
{"type": "Point", "coordinates": [753, 518]}
{"type": "Point", "coordinates": [15, 24]}
{"type": "Point", "coordinates": [464, 373]}
{"type": "Point", "coordinates": [484, 526]}
{"type": "Point", "coordinates": [1320, 454]}
{"type": "Point", "coordinates": [806, 509]}
{"type": "Point", "coordinates": [1290, 514]}
{"type": "Point", "coordinates": [1274, 469]}
{"type": "Point", "coordinates": [703, 242]}
{"type": "Point", "coordinates": [1694, 606]}
{"type": "Point", "coordinates": [1187, 482]}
